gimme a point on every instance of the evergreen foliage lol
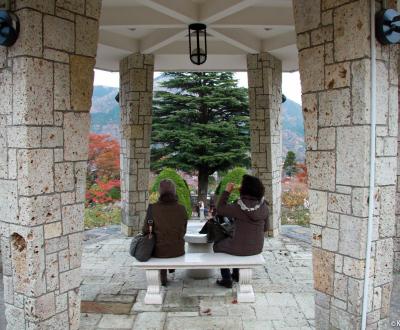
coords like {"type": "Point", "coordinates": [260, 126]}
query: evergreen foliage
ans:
{"type": "Point", "coordinates": [200, 123]}
{"type": "Point", "coordinates": [290, 163]}
{"type": "Point", "coordinates": [234, 176]}
{"type": "Point", "coordinates": [182, 189]}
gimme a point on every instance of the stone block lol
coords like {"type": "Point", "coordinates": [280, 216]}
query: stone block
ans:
{"type": "Point", "coordinates": [330, 239]}
{"type": "Point", "coordinates": [70, 280]}
{"type": "Point", "coordinates": [82, 75]}
{"type": "Point", "coordinates": [335, 108]}
{"type": "Point", "coordinates": [337, 75]}
{"type": "Point", "coordinates": [137, 80]}
{"type": "Point", "coordinates": [63, 260]}
{"type": "Point", "coordinates": [340, 319]}
{"type": "Point", "coordinates": [5, 92]}
{"type": "Point", "coordinates": [46, 6]}
{"type": "Point", "coordinates": [351, 25]}
{"type": "Point", "coordinates": [303, 41]}
{"type": "Point", "coordinates": [352, 236]}
{"type": "Point", "coordinates": [340, 286]}
{"type": "Point", "coordinates": [61, 87]}
{"type": "Point", "coordinates": [39, 210]}
{"type": "Point", "coordinates": [307, 15]}
{"type": "Point", "coordinates": [326, 138]}
{"type": "Point", "coordinates": [321, 169]}
{"type": "Point", "coordinates": [54, 28]}
{"type": "Point", "coordinates": [333, 220]}
{"type": "Point", "coordinates": [64, 179]}
{"type": "Point", "coordinates": [323, 269]}
{"type": "Point", "coordinates": [355, 294]}
{"type": "Point", "coordinates": [15, 317]}
{"type": "Point", "coordinates": [52, 272]}
{"type": "Point", "coordinates": [24, 137]}
{"type": "Point", "coordinates": [76, 6]}
{"type": "Point", "coordinates": [32, 91]}
{"type": "Point", "coordinates": [56, 244]}
{"type": "Point", "coordinates": [39, 309]}
{"type": "Point", "coordinates": [29, 42]}
{"type": "Point", "coordinates": [318, 207]}
{"type": "Point", "coordinates": [76, 132]}
{"type": "Point", "coordinates": [354, 267]}
{"type": "Point", "coordinates": [86, 36]}
{"type": "Point", "coordinates": [52, 137]}
{"type": "Point", "coordinates": [61, 302]}
{"type": "Point", "coordinates": [387, 205]}
{"type": "Point", "coordinates": [74, 304]}
{"type": "Point", "coordinates": [383, 261]}
{"type": "Point", "coordinates": [360, 91]}
{"type": "Point", "coordinates": [55, 55]}
{"type": "Point", "coordinates": [75, 249]}
{"type": "Point", "coordinates": [310, 113]}
{"type": "Point", "coordinates": [52, 230]}
{"type": "Point", "coordinates": [382, 94]}
{"type": "Point", "coordinates": [311, 64]}
{"type": "Point", "coordinates": [72, 216]}
{"type": "Point", "coordinates": [80, 179]}
{"type": "Point", "coordinates": [353, 156]}
{"type": "Point", "coordinates": [93, 8]}
{"type": "Point", "coordinates": [386, 168]}
{"type": "Point", "coordinates": [359, 201]}
{"type": "Point", "coordinates": [35, 171]}
{"type": "Point", "coordinates": [339, 203]}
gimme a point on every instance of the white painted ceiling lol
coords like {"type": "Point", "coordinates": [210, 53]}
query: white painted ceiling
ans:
{"type": "Point", "coordinates": [160, 27]}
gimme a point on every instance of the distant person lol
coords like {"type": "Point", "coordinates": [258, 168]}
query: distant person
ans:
{"type": "Point", "coordinates": [201, 206]}
{"type": "Point", "coordinates": [250, 214]}
{"type": "Point", "coordinates": [169, 227]}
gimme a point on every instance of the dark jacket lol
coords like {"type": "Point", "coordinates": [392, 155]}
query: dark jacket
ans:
{"type": "Point", "coordinates": [248, 236]}
{"type": "Point", "coordinates": [170, 221]}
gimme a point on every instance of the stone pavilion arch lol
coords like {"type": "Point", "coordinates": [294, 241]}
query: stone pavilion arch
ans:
{"type": "Point", "coordinates": [45, 90]}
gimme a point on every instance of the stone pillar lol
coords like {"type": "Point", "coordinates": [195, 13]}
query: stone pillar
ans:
{"type": "Point", "coordinates": [396, 266]}
{"type": "Point", "coordinates": [333, 38]}
{"type": "Point", "coordinates": [46, 82]}
{"type": "Point", "coordinates": [265, 98]}
{"type": "Point", "coordinates": [136, 94]}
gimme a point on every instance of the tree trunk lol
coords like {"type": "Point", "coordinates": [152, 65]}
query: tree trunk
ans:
{"type": "Point", "coordinates": [203, 185]}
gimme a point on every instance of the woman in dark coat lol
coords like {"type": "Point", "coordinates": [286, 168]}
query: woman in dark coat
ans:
{"type": "Point", "coordinates": [250, 214]}
{"type": "Point", "coordinates": [169, 224]}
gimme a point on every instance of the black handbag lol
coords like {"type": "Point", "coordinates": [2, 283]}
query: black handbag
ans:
{"type": "Point", "coordinates": [218, 228]}
{"type": "Point", "coordinates": [142, 245]}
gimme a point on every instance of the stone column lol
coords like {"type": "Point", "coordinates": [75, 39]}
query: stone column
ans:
{"type": "Point", "coordinates": [46, 82]}
{"type": "Point", "coordinates": [333, 38]}
{"type": "Point", "coordinates": [265, 98]}
{"type": "Point", "coordinates": [136, 94]}
{"type": "Point", "coordinates": [396, 266]}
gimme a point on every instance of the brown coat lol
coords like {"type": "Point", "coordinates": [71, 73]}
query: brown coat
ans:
{"type": "Point", "coordinates": [170, 221]}
{"type": "Point", "coordinates": [248, 236]}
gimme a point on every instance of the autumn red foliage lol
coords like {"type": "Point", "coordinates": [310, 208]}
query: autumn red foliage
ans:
{"type": "Point", "coordinates": [103, 180]}
{"type": "Point", "coordinates": [302, 174]}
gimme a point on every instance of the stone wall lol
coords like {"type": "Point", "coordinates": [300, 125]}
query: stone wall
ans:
{"type": "Point", "coordinates": [136, 95]}
{"type": "Point", "coordinates": [265, 97]}
{"type": "Point", "coordinates": [334, 56]}
{"type": "Point", "coordinates": [46, 82]}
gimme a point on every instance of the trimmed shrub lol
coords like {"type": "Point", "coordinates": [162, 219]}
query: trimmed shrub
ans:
{"type": "Point", "coordinates": [182, 189]}
{"type": "Point", "coordinates": [234, 176]}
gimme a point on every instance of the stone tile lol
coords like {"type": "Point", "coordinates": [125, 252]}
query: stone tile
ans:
{"type": "Point", "coordinates": [72, 216]}
{"type": "Point", "coordinates": [336, 108]}
{"type": "Point", "coordinates": [54, 27]}
{"type": "Point", "coordinates": [308, 14]}
{"type": "Point", "coordinates": [155, 320]}
{"type": "Point", "coordinates": [86, 36]}
{"type": "Point", "coordinates": [352, 236]}
{"type": "Point", "coordinates": [62, 99]}
{"type": "Point", "coordinates": [82, 74]}
{"type": "Point", "coordinates": [323, 263]}
{"type": "Point", "coordinates": [116, 322]}
{"type": "Point", "coordinates": [311, 64]}
{"type": "Point", "coordinates": [321, 169]}
{"type": "Point", "coordinates": [200, 323]}
{"type": "Point", "coordinates": [76, 132]}
{"type": "Point", "coordinates": [32, 91]}
{"type": "Point", "coordinates": [35, 173]}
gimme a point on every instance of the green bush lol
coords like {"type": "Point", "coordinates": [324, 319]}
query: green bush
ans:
{"type": "Point", "coordinates": [182, 189]}
{"type": "Point", "coordinates": [234, 176]}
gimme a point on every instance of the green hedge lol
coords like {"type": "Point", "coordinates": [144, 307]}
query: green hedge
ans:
{"type": "Point", "coordinates": [182, 189]}
{"type": "Point", "coordinates": [234, 176]}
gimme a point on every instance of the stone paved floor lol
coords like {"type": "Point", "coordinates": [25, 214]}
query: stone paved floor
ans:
{"type": "Point", "coordinates": [112, 291]}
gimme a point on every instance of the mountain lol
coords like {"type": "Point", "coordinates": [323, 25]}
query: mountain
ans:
{"type": "Point", "coordinates": [105, 114]}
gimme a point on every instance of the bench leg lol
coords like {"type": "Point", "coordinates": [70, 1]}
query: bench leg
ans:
{"type": "Point", "coordinates": [153, 294]}
{"type": "Point", "coordinates": [245, 291]}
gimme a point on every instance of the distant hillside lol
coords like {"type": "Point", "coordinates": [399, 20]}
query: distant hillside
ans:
{"type": "Point", "coordinates": [105, 115]}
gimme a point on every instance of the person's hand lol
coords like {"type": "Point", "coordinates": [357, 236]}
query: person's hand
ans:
{"type": "Point", "coordinates": [229, 187]}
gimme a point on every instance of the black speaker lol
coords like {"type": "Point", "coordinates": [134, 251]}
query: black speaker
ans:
{"type": "Point", "coordinates": [387, 24]}
{"type": "Point", "coordinates": [9, 28]}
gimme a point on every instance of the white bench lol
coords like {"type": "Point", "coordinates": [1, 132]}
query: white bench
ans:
{"type": "Point", "coordinates": [245, 291]}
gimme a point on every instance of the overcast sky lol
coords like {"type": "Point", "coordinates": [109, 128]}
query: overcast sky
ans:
{"type": "Point", "coordinates": [290, 82]}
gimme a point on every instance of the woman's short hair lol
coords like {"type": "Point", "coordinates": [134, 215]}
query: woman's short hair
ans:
{"type": "Point", "coordinates": [167, 189]}
{"type": "Point", "coordinates": [252, 186]}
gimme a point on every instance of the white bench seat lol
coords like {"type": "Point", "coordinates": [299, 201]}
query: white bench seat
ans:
{"type": "Point", "coordinates": [245, 264]}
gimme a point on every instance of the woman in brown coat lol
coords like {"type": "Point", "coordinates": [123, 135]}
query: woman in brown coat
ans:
{"type": "Point", "coordinates": [169, 224]}
{"type": "Point", "coordinates": [250, 214]}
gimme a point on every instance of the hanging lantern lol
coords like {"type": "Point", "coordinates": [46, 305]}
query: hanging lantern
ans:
{"type": "Point", "coordinates": [197, 43]}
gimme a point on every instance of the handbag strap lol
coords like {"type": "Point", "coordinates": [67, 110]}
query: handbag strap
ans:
{"type": "Point", "coordinates": [150, 220]}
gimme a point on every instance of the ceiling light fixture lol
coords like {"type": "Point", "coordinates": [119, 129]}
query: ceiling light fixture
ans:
{"type": "Point", "coordinates": [198, 40]}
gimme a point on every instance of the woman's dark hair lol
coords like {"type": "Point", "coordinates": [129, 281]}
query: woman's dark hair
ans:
{"type": "Point", "coordinates": [252, 186]}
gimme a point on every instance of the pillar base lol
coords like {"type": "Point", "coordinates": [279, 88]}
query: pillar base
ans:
{"type": "Point", "coordinates": [128, 231]}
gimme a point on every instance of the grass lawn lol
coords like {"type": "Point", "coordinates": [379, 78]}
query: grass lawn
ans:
{"type": "Point", "coordinates": [296, 216]}
{"type": "Point", "coordinates": [102, 215]}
